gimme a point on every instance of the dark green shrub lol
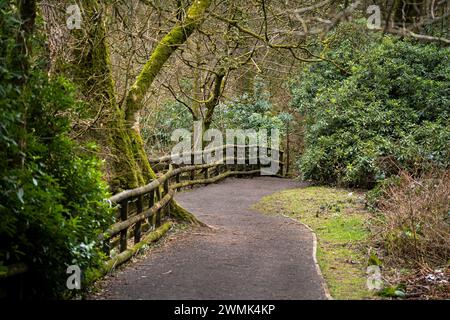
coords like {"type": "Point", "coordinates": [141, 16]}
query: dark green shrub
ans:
{"type": "Point", "coordinates": [249, 111]}
{"type": "Point", "coordinates": [157, 126]}
{"type": "Point", "coordinates": [394, 104]}
{"type": "Point", "coordinates": [52, 199]}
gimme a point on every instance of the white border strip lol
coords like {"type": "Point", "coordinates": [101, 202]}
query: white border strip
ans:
{"type": "Point", "coordinates": [314, 254]}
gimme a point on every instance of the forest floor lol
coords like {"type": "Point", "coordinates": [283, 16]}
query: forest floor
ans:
{"type": "Point", "coordinates": [243, 255]}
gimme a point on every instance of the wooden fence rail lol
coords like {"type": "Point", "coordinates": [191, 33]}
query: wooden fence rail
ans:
{"type": "Point", "coordinates": [162, 163]}
{"type": "Point", "coordinates": [143, 213]}
{"type": "Point", "coordinates": [151, 202]}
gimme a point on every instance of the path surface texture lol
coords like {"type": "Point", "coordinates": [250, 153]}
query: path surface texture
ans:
{"type": "Point", "coordinates": [245, 255]}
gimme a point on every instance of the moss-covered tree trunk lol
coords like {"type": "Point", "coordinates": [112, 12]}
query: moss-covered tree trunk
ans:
{"type": "Point", "coordinates": [90, 68]}
{"type": "Point", "coordinates": [163, 51]}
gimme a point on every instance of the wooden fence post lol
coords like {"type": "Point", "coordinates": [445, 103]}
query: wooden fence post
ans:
{"type": "Point", "coordinates": [138, 225]}
{"type": "Point", "coordinates": [151, 203]}
{"type": "Point", "coordinates": [235, 155]}
{"type": "Point", "coordinates": [106, 247]}
{"type": "Point", "coordinates": [192, 171]}
{"type": "Point", "coordinates": [124, 232]}
{"type": "Point", "coordinates": [177, 180]}
{"type": "Point", "coordinates": [281, 161]}
{"type": "Point", "coordinates": [166, 186]}
{"type": "Point", "coordinates": [216, 170]}
{"type": "Point", "coordinates": [247, 157]}
{"type": "Point", "coordinates": [159, 212]}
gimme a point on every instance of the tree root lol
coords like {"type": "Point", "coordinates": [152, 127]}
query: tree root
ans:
{"type": "Point", "coordinates": [180, 213]}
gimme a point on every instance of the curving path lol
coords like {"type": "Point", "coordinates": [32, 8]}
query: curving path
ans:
{"type": "Point", "coordinates": [246, 255]}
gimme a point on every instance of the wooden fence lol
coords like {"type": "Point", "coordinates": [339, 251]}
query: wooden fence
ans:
{"type": "Point", "coordinates": [143, 214]}
{"type": "Point", "coordinates": [146, 209]}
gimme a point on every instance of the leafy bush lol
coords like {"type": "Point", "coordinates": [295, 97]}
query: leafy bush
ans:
{"type": "Point", "coordinates": [52, 196]}
{"type": "Point", "coordinates": [249, 111]}
{"type": "Point", "coordinates": [394, 105]}
{"type": "Point", "coordinates": [159, 125]}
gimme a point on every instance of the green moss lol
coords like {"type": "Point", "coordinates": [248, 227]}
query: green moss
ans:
{"type": "Point", "coordinates": [197, 10]}
{"type": "Point", "coordinates": [94, 274]}
{"type": "Point", "coordinates": [338, 218]}
{"type": "Point", "coordinates": [183, 215]}
{"type": "Point", "coordinates": [132, 161]}
{"type": "Point", "coordinates": [141, 156]}
{"type": "Point", "coordinates": [129, 167]}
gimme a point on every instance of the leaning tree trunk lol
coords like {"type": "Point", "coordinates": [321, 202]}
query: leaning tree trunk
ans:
{"type": "Point", "coordinates": [89, 67]}
{"type": "Point", "coordinates": [163, 51]}
{"type": "Point", "coordinates": [83, 56]}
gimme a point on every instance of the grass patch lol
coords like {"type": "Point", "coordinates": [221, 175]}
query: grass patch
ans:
{"type": "Point", "coordinates": [338, 218]}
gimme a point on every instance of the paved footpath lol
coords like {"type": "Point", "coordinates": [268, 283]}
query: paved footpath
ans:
{"type": "Point", "coordinates": [246, 255]}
